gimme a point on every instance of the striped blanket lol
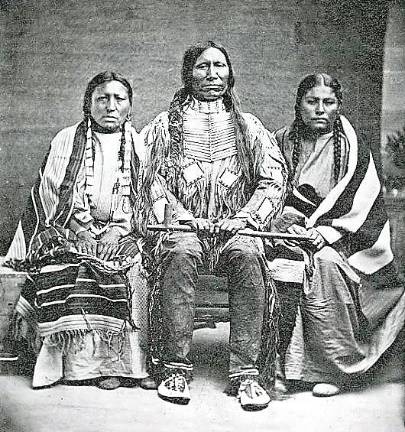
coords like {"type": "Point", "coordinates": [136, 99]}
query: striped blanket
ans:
{"type": "Point", "coordinates": [75, 297]}
{"type": "Point", "coordinates": [351, 218]}
{"type": "Point", "coordinates": [353, 212]}
{"type": "Point", "coordinates": [51, 198]}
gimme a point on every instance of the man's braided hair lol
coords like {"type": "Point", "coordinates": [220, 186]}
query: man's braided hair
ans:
{"type": "Point", "coordinates": [179, 101]}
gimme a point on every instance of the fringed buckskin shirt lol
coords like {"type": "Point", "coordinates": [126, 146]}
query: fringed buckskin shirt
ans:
{"type": "Point", "coordinates": [224, 169]}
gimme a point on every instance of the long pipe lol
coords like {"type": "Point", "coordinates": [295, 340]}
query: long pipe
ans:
{"type": "Point", "coordinates": [244, 232]}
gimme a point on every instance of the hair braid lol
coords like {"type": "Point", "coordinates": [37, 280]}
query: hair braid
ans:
{"type": "Point", "coordinates": [176, 123]}
{"type": "Point", "coordinates": [175, 151]}
{"type": "Point", "coordinates": [121, 151]}
{"type": "Point", "coordinates": [337, 150]}
{"type": "Point", "coordinates": [295, 137]}
{"type": "Point", "coordinates": [309, 82]}
{"type": "Point", "coordinates": [89, 134]}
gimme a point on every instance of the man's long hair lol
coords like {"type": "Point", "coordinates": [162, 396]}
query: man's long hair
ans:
{"type": "Point", "coordinates": [189, 59]}
{"type": "Point", "coordinates": [231, 102]}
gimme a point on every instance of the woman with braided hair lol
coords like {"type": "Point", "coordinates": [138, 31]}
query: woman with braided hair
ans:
{"type": "Point", "coordinates": [222, 172]}
{"type": "Point", "coordinates": [77, 311]}
{"type": "Point", "coordinates": [341, 301]}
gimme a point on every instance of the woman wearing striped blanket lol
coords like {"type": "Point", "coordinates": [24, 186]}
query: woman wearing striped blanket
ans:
{"type": "Point", "coordinates": [342, 303]}
{"type": "Point", "coordinates": [77, 311]}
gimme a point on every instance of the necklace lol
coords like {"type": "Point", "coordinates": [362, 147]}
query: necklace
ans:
{"type": "Point", "coordinates": [123, 182]}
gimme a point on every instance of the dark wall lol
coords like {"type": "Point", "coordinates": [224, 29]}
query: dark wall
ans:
{"type": "Point", "coordinates": [393, 105]}
{"type": "Point", "coordinates": [51, 48]}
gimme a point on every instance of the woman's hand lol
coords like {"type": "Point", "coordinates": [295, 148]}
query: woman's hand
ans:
{"type": "Point", "coordinates": [316, 239]}
{"type": "Point", "coordinates": [86, 244]}
{"type": "Point", "coordinates": [298, 230]}
{"type": "Point", "coordinates": [107, 246]}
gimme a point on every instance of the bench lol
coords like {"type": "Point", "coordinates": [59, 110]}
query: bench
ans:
{"type": "Point", "coordinates": [11, 283]}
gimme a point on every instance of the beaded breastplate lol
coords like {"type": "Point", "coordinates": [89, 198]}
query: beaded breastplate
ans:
{"type": "Point", "coordinates": [209, 131]}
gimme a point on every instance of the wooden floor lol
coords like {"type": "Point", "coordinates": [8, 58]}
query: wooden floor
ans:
{"type": "Point", "coordinates": [376, 408]}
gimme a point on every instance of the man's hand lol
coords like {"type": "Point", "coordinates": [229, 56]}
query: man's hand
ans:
{"type": "Point", "coordinates": [201, 225]}
{"type": "Point", "coordinates": [86, 244]}
{"type": "Point", "coordinates": [229, 227]}
{"type": "Point", "coordinates": [108, 244]}
{"type": "Point", "coordinates": [223, 228]}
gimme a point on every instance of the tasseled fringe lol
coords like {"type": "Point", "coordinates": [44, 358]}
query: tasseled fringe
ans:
{"type": "Point", "coordinates": [193, 197]}
{"type": "Point", "coordinates": [158, 157]}
{"type": "Point", "coordinates": [156, 331]}
{"type": "Point", "coordinates": [243, 137]}
{"type": "Point", "coordinates": [74, 341]}
{"type": "Point", "coordinates": [67, 340]}
{"type": "Point", "coordinates": [214, 248]}
{"type": "Point", "coordinates": [16, 327]}
{"type": "Point", "coordinates": [229, 202]}
{"type": "Point", "coordinates": [157, 249]}
{"type": "Point", "coordinates": [143, 206]}
{"type": "Point", "coordinates": [270, 338]}
{"type": "Point", "coordinates": [129, 303]}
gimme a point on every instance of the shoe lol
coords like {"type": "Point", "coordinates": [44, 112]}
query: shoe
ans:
{"type": "Point", "coordinates": [110, 383]}
{"type": "Point", "coordinates": [281, 386]}
{"type": "Point", "coordinates": [325, 390]}
{"type": "Point", "coordinates": [252, 395]}
{"type": "Point", "coordinates": [175, 389]}
{"type": "Point", "coordinates": [148, 383]}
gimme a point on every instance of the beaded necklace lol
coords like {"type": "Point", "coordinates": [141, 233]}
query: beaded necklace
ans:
{"type": "Point", "coordinates": [123, 182]}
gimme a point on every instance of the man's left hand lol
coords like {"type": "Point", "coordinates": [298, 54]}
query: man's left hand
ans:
{"type": "Point", "coordinates": [227, 227]}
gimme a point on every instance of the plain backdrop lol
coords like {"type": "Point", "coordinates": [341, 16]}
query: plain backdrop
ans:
{"type": "Point", "coordinates": [50, 49]}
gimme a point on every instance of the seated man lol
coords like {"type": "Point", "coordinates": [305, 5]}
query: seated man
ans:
{"type": "Point", "coordinates": [76, 239]}
{"type": "Point", "coordinates": [222, 172]}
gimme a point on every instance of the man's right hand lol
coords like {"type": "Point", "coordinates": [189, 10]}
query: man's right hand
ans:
{"type": "Point", "coordinates": [86, 244]}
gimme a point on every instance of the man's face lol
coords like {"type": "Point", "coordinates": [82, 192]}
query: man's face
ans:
{"type": "Point", "coordinates": [110, 105]}
{"type": "Point", "coordinates": [319, 108]}
{"type": "Point", "coordinates": [210, 75]}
